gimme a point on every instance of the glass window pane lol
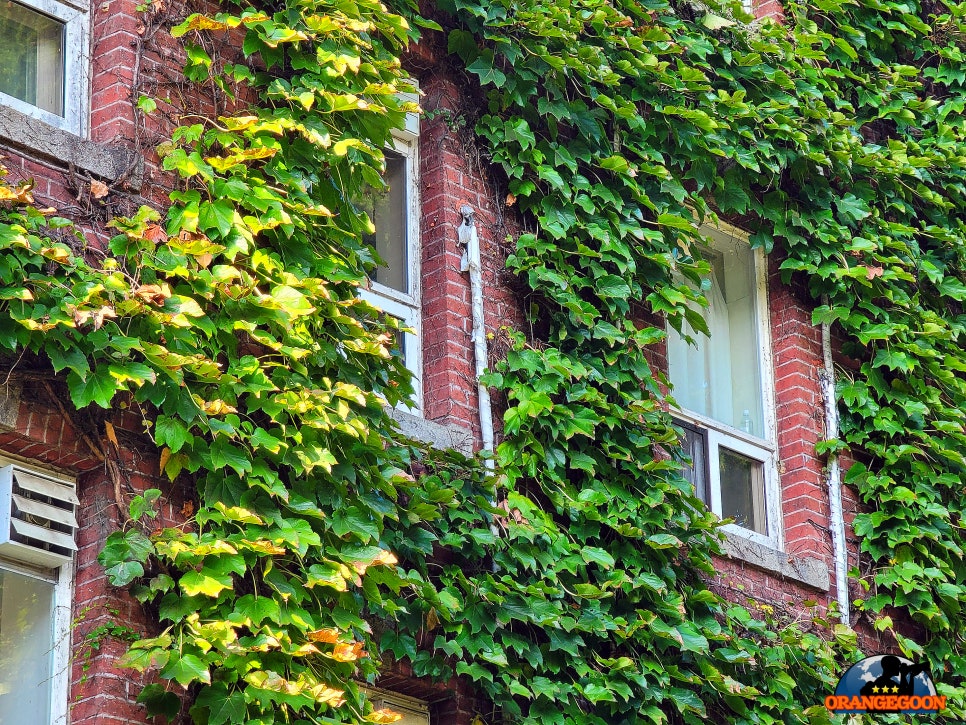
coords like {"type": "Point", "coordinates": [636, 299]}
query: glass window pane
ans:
{"type": "Point", "coordinates": [26, 647]}
{"type": "Point", "coordinates": [720, 376]}
{"type": "Point", "coordinates": [694, 447]}
{"type": "Point", "coordinates": [32, 57]}
{"type": "Point", "coordinates": [742, 490]}
{"type": "Point", "coordinates": [387, 209]}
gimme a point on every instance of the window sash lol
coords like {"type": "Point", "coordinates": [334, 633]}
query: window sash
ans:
{"type": "Point", "coordinates": [770, 506]}
{"type": "Point", "coordinates": [759, 445]}
{"type": "Point", "coordinates": [405, 305]}
{"type": "Point", "coordinates": [75, 69]}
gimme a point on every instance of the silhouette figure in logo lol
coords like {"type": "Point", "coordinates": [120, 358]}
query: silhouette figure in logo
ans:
{"type": "Point", "coordinates": [896, 678]}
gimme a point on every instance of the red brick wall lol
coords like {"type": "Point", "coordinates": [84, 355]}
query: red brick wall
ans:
{"type": "Point", "coordinates": [800, 422]}
{"type": "Point", "coordinates": [450, 177]}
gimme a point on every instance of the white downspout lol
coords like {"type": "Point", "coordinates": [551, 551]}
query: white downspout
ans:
{"type": "Point", "coordinates": [836, 516]}
{"type": "Point", "coordinates": [471, 262]}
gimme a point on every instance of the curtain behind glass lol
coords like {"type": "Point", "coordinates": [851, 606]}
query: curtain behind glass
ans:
{"type": "Point", "coordinates": [26, 649]}
{"type": "Point", "coordinates": [720, 376]}
{"type": "Point", "coordinates": [32, 57]}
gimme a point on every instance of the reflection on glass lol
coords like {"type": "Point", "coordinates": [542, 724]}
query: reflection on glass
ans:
{"type": "Point", "coordinates": [26, 649]}
{"type": "Point", "coordinates": [387, 209]}
{"type": "Point", "coordinates": [742, 490]}
{"type": "Point", "coordinates": [32, 57]}
{"type": "Point", "coordinates": [720, 376]}
{"type": "Point", "coordinates": [694, 446]}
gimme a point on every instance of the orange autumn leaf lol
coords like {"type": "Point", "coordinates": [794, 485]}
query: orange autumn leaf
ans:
{"type": "Point", "coordinates": [328, 635]}
{"type": "Point", "coordinates": [347, 651]}
{"type": "Point", "coordinates": [20, 193]}
{"type": "Point", "coordinates": [156, 234]}
{"type": "Point", "coordinates": [384, 716]}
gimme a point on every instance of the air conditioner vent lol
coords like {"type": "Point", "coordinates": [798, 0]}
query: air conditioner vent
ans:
{"type": "Point", "coordinates": [37, 517]}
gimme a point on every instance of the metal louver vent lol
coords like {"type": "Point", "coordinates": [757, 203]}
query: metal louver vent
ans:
{"type": "Point", "coordinates": [413, 711]}
{"type": "Point", "coordinates": [37, 517]}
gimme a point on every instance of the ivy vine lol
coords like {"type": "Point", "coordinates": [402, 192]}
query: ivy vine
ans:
{"type": "Point", "coordinates": [578, 595]}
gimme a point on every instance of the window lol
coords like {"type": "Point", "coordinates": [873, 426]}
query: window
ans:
{"type": "Point", "coordinates": [43, 61]}
{"type": "Point", "coordinates": [411, 710]}
{"type": "Point", "coordinates": [394, 286]}
{"type": "Point", "coordinates": [37, 526]}
{"type": "Point", "coordinates": [722, 385]}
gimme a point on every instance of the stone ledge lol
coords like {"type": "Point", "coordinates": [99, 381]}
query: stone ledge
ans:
{"type": "Point", "coordinates": [802, 569]}
{"type": "Point", "coordinates": [438, 435]}
{"type": "Point", "coordinates": [36, 137]}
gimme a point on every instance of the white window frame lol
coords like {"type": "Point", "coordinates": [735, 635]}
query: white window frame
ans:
{"type": "Point", "coordinates": [763, 449]}
{"type": "Point", "coordinates": [406, 306]}
{"type": "Point", "coordinates": [62, 578]}
{"type": "Point", "coordinates": [76, 19]}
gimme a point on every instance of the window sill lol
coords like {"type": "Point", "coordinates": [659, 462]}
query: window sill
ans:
{"type": "Point", "coordinates": [33, 135]}
{"type": "Point", "coordinates": [805, 570]}
{"type": "Point", "coordinates": [437, 435]}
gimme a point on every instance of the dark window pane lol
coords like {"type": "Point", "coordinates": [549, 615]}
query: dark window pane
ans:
{"type": "Point", "coordinates": [387, 209]}
{"type": "Point", "coordinates": [695, 446]}
{"type": "Point", "coordinates": [742, 490]}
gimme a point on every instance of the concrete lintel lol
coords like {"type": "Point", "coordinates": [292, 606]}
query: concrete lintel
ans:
{"type": "Point", "coordinates": [62, 147]}
{"type": "Point", "coordinates": [808, 571]}
{"type": "Point", "coordinates": [437, 435]}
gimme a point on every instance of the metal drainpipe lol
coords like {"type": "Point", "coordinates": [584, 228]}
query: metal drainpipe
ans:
{"type": "Point", "coordinates": [836, 516]}
{"type": "Point", "coordinates": [470, 239]}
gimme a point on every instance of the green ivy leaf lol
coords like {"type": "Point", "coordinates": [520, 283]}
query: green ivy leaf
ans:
{"type": "Point", "coordinates": [186, 669]}
{"type": "Point", "coordinates": [98, 388]}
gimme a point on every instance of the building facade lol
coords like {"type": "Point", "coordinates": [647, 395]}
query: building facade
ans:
{"type": "Point", "coordinates": [750, 400]}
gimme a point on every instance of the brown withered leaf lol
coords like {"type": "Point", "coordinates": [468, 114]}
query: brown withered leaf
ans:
{"type": "Point", "coordinates": [95, 316]}
{"type": "Point", "coordinates": [165, 455]}
{"type": "Point", "coordinates": [111, 433]}
{"type": "Point", "coordinates": [873, 272]}
{"type": "Point", "coordinates": [510, 200]}
{"type": "Point", "coordinates": [154, 233]}
{"type": "Point", "coordinates": [204, 260]}
{"type": "Point", "coordinates": [106, 312]}
{"type": "Point", "coordinates": [188, 509]}
{"type": "Point", "coordinates": [99, 189]}
{"type": "Point", "coordinates": [153, 293]}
